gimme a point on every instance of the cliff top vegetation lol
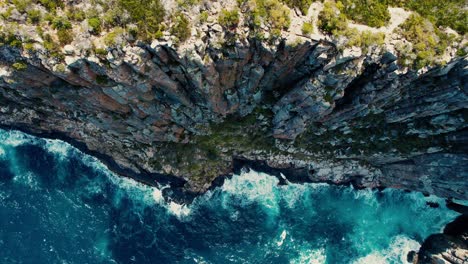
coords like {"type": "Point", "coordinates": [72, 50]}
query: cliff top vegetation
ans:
{"type": "Point", "coordinates": [432, 32]}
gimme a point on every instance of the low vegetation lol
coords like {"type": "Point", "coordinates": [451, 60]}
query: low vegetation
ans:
{"type": "Point", "coordinates": [307, 28]}
{"type": "Point", "coordinates": [335, 22]}
{"type": "Point", "coordinates": [302, 5]}
{"type": "Point", "coordinates": [373, 13]}
{"type": "Point", "coordinates": [181, 27]}
{"type": "Point", "coordinates": [428, 42]}
{"type": "Point", "coordinates": [95, 25]}
{"type": "Point", "coordinates": [453, 13]}
{"type": "Point", "coordinates": [229, 18]}
{"type": "Point", "coordinates": [112, 38]}
{"type": "Point", "coordinates": [117, 22]}
{"type": "Point", "coordinates": [272, 14]}
{"type": "Point", "coordinates": [20, 66]}
{"type": "Point", "coordinates": [148, 15]}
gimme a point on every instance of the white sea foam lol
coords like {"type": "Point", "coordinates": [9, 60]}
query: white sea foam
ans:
{"type": "Point", "coordinates": [15, 138]}
{"type": "Point", "coordinates": [253, 186]}
{"type": "Point", "coordinates": [311, 256]}
{"type": "Point", "coordinates": [367, 195]}
{"type": "Point", "coordinates": [58, 147]}
{"type": "Point", "coordinates": [157, 196]}
{"type": "Point", "coordinates": [294, 194]}
{"type": "Point", "coordinates": [395, 253]}
{"type": "Point", "coordinates": [27, 178]}
{"type": "Point", "coordinates": [181, 211]}
{"type": "Point", "coordinates": [282, 238]}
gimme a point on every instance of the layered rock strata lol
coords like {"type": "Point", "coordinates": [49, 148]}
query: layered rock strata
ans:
{"type": "Point", "coordinates": [314, 112]}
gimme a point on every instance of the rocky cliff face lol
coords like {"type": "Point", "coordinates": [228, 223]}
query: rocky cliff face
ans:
{"type": "Point", "coordinates": [448, 247]}
{"type": "Point", "coordinates": [309, 110]}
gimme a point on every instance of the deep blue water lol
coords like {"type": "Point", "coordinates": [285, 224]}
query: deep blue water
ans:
{"type": "Point", "coordinates": [58, 205]}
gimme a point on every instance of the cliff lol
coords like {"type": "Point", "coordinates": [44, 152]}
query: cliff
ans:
{"type": "Point", "coordinates": [314, 112]}
{"type": "Point", "coordinates": [303, 92]}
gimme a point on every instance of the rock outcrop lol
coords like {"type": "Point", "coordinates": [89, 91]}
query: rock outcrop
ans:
{"type": "Point", "coordinates": [449, 247]}
{"type": "Point", "coordinates": [327, 115]}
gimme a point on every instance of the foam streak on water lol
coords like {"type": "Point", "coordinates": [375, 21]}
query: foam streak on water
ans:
{"type": "Point", "coordinates": [48, 187]}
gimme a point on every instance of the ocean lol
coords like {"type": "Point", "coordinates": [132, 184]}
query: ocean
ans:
{"type": "Point", "coordinates": [59, 205]}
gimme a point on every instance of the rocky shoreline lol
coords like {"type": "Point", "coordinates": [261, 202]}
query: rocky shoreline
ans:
{"type": "Point", "coordinates": [176, 192]}
{"type": "Point", "coordinates": [448, 247]}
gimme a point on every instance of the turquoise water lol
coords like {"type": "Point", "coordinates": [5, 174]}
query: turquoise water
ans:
{"type": "Point", "coordinates": [58, 205]}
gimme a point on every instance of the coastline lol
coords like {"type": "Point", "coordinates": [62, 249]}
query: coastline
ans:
{"type": "Point", "coordinates": [179, 194]}
{"type": "Point", "coordinates": [452, 235]}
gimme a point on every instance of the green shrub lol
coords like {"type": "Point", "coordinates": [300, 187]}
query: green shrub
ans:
{"type": "Point", "coordinates": [229, 18]}
{"type": "Point", "coordinates": [51, 4]}
{"type": "Point", "coordinates": [114, 18]}
{"type": "Point", "coordinates": [462, 52]}
{"type": "Point", "coordinates": [76, 14]}
{"type": "Point", "coordinates": [110, 39]}
{"type": "Point", "coordinates": [369, 38]}
{"type": "Point", "coordinates": [52, 47]}
{"type": "Point", "coordinates": [187, 3]}
{"type": "Point", "coordinates": [428, 42]}
{"type": "Point", "coordinates": [307, 28]}
{"type": "Point", "coordinates": [279, 16]}
{"type": "Point", "coordinates": [49, 17]}
{"type": "Point", "coordinates": [61, 68]}
{"type": "Point", "coordinates": [21, 5]}
{"type": "Point", "coordinates": [203, 16]}
{"type": "Point", "coordinates": [181, 28]}
{"type": "Point", "coordinates": [6, 15]}
{"type": "Point", "coordinates": [453, 13]}
{"type": "Point", "coordinates": [302, 5]}
{"type": "Point", "coordinates": [40, 31]}
{"type": "Point", "coordinates": [272, 13]}
{"type": "Point", "coordinates": [61, 23]}
{"type": "Point", "coordinates": [373, 13]}
{"type": "Point", "coordinates": [364, 39]}
{"type": "Point", "coordinates": [99, 51]}
{"type": "Point", "coordinates": [28, 46]}
{"type": "Point", "coordinates": [95, 25]}
{"type": "Point", "coordinates": [133, 31]}
{"type": "Point", "coordinates": [331, 20]}
{"type": "Point", "coordinates": [20, 66]}
{"type": "Point", "coordinates": [34, 16]}
{"type": "Point", "coordinates": [9, 38]}
{"type": "Point", "coordinates": [148, 15]}
{"type": "Point", "coordinates": [65, 36]}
